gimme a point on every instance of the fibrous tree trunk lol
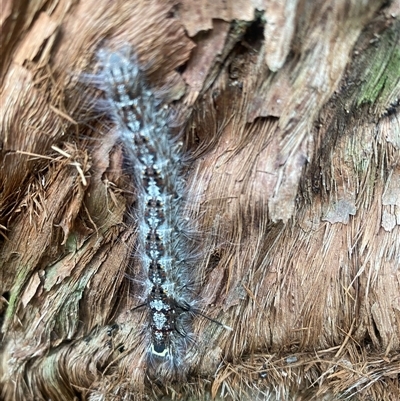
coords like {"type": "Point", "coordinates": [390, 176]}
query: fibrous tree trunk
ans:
{"type": "Point", "coordinates": [289, 115]}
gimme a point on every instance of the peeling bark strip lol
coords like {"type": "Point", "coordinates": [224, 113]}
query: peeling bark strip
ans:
{"type": "Point", "coordinates": [164, 245]}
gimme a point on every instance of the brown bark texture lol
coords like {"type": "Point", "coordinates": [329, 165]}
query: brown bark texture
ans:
{"type": "Point", "coordinates": [289, 114]}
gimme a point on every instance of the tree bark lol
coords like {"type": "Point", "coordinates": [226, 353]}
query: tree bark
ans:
{"type": "Point", "coordinates": [289, 115]}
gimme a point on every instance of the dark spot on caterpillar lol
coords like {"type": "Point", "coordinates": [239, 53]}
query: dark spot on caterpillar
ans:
{"type": "Point", "coordinates": [112, 329]}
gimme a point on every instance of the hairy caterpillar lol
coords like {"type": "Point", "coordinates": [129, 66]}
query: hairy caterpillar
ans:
{"type": "Point", "coordinates": [165, 246]}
